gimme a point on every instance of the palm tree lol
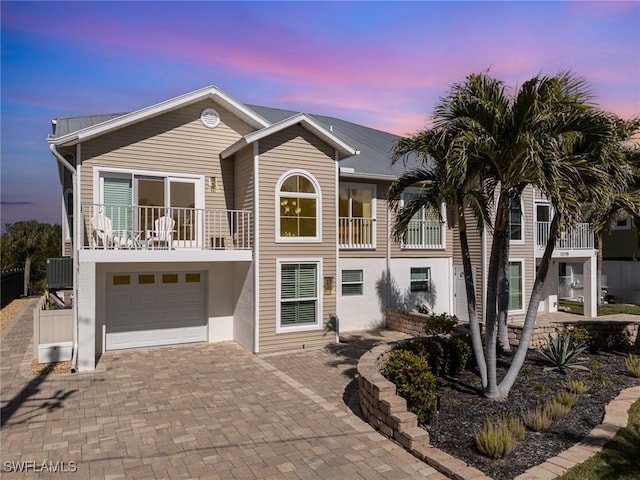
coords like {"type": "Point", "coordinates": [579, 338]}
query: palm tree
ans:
{"type": "Point", "coordinates": [441, 180]}
{"type": "Point", "coordinates": [25, 240]}
{"type": "Point", "coordinates": [540, 136]}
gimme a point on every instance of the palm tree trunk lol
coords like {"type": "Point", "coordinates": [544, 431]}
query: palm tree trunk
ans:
{"type": "Point", "coordinates": [503, 295]}
{"type": "Point", "coordinates": [532, 313]}
{"type": "Point", "coordinates": [27, 274]}
{"type": "Point", "coordinates": [491, 390]}
{"type": "Point", "coordinates": [474, 326]}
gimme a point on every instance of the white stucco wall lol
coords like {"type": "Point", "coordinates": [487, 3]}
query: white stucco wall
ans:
{"type": "Point", "coordinates": [439, 299]}
{"type": "Point", "coordinates": [367, 311]}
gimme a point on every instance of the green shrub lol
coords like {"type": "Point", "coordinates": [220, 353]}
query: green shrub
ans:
{"type": "Point", "coordinates": [633, 364]}
{"type": "Point", "coordinates": [414, 382]}
{"type": "Point", "coordinates": [561, 353]}
{"type": "Point", "coordinates": [515, 425]}
{"type": "Point", "coordinates": [458, 354]}
{"type": "Point", "coordinates": [575, 386]}
{"type": "Point", "coordinates": [445, 355]}
{"type": "Point", "coordinates": [422, 308]}
{"type": "Point", "coordinates": [537, 419]}
{"type": "Point", "coordinates": [566, 398]}
{"type": "Point", "coordinates": [440, 324]}
{"type": "Point", "coordinates": [494, 440]}
{"type": "Point", "coordinates": [556, 410]}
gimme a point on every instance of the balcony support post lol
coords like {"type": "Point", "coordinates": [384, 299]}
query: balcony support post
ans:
{"type": "Point", "coordinates": [590, 273]}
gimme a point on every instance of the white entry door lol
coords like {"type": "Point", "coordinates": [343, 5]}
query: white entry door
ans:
{"type": "Point", "coordinates": [460, 308]}
{"type": "Point", "coordinates": [155, 308]}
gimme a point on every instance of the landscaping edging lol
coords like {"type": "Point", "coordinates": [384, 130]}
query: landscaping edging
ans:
{"type": "Point", "coordinates": [387, 413]}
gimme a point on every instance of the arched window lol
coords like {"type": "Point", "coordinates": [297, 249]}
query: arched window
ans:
{"type": "Point", "coordinates": [298, 208]}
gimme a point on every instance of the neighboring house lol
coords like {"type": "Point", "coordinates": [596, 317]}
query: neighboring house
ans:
{"type": "Point", "coordinates": [202, 219]}
{"type": "Point", "coordinates": [529, 223]}
{"type": "Point", "coordinates": [621, 262]}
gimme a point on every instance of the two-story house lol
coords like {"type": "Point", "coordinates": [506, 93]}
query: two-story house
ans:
{"type": "Point", "coordinates": [202, 219]}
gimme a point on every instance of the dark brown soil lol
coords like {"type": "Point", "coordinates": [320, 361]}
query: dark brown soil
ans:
{"type": "Point", "coordinates": [463, 411]}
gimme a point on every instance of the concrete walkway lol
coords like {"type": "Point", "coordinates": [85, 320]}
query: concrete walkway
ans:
{"type": "Point", "coordinates": [210, 411]}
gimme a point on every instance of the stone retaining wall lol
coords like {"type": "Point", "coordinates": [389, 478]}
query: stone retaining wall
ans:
{"type": "Point", "coordinates": [387, 413]}
{"type": "Point", "coordinates": [607, 331]}
{"type": "Point", "coordinates": [411, 323]}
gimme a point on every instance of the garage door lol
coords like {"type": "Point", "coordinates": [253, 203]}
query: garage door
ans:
{"type": "Point", "coordinates": [147, 309]}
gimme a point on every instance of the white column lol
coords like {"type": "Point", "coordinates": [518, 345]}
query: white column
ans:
{"type": "Point", "coordinates": [86, 304]}
{"type": "Point", "coordinates": [552, 286]}
{"type": "Point", "coordinates": [590, 273]}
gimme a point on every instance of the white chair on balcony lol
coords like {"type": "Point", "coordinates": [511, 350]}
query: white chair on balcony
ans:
{"type": "Point", "coordinates": [163, 233]}
{"type": "Point", "coordinates": [101, 232]}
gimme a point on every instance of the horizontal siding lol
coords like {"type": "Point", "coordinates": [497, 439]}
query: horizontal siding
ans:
{"type": "Point", "coordinates": [474, 239]}
{"type": "Point", "coordinates": [294, 148]}
{"type": "Point", "coordinates": [174, 142]}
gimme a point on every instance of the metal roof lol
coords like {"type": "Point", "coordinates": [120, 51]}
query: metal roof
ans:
{"type": "Point", "coordinates": [65, 125]}
{"type": "Point", "coordinates": [375, 146]}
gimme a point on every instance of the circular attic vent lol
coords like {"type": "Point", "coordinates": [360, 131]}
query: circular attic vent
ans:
{"type": "Point", "coordinates": [210, 118]}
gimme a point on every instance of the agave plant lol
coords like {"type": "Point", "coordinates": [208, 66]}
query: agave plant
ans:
{"type": "Point", "coordinates": [562, 353]}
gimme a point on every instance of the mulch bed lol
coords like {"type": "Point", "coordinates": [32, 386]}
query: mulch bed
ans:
{"type": "Point", "coordinates": [464, 410]}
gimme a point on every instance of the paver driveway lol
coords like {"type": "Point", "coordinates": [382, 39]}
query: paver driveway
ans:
{"type": "Point", "coordinates": [200, 411]}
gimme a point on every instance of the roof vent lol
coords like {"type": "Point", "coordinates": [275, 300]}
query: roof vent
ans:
{"type": "Point", "coordinates": [210, 118]}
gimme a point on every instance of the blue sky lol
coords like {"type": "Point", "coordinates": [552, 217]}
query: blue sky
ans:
{"type": "Point", "coordinates": [382, 64]}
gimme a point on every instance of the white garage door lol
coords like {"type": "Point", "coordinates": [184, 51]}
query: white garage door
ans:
{"type": "Point", "coordinates": [147, 309]}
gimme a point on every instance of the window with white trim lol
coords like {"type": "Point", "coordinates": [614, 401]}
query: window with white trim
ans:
{"type": "Point", "coordinates": [352, 282]}
{"type": "Point", "coordinates": [356, 212]}
{"type": "Point", "coordinates": [515, 218]}
{"type": "Point", "coordinates": [298, 208]}
{"type": "Point", "coordinates": [298, 295]}
{"type": "Point", "coordinates": [516, 285]}
{"type": "Point", "coordinates": [425, 229]}
{"type": "Point", "coordinates": [420, 279]}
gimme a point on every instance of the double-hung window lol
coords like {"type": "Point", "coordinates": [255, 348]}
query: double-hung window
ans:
{"type": "Point", "coordinates": [420, 279]}
{"type": "Point", "coordinates": [298, 295]}
{"type": "Point", "coordinates": [297, 208]}
{"type": "Point", "coordinates": [352, 282]}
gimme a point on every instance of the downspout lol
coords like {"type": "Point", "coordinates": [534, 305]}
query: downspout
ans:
{"type": "Point", "coordinates": [256, 248]}
{"type": "Point", "coordinates": [74, 239]}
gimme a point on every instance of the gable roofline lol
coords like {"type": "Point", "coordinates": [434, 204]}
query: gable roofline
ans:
{"type": "Point", "coordinates": [211, 92]}
{"type": "Point", "coordinates": [306, 121]}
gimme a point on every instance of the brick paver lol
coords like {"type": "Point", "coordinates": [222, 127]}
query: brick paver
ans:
{"type": "Point", "coordinates": [197, 411]}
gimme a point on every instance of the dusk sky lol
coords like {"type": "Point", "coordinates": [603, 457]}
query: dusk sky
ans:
{"type": "Point", "coordinates": [381, 64]}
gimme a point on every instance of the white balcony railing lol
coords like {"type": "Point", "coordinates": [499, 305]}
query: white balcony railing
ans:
{"type": "Point", "coordinates": [424, 234]}
{"type": "Point", "coordinates": [111, 227]}
{"type": "Point", "coordinates": [356, 232]}
{"type": "Point", "coordinates": [579, 237]}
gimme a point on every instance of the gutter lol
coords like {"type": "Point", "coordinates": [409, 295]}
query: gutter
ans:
{"type": "Point", "coordinates": [70, 168]}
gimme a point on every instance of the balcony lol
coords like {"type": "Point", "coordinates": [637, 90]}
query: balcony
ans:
{"type": "Point", "coordinates": [356, 233]}
{"type": "Point", "coordinates": [424, 234]}
{"type": "Point", "coordinates": [125, 228]}
{"type": "Point", "coordinates": [579, 237]}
